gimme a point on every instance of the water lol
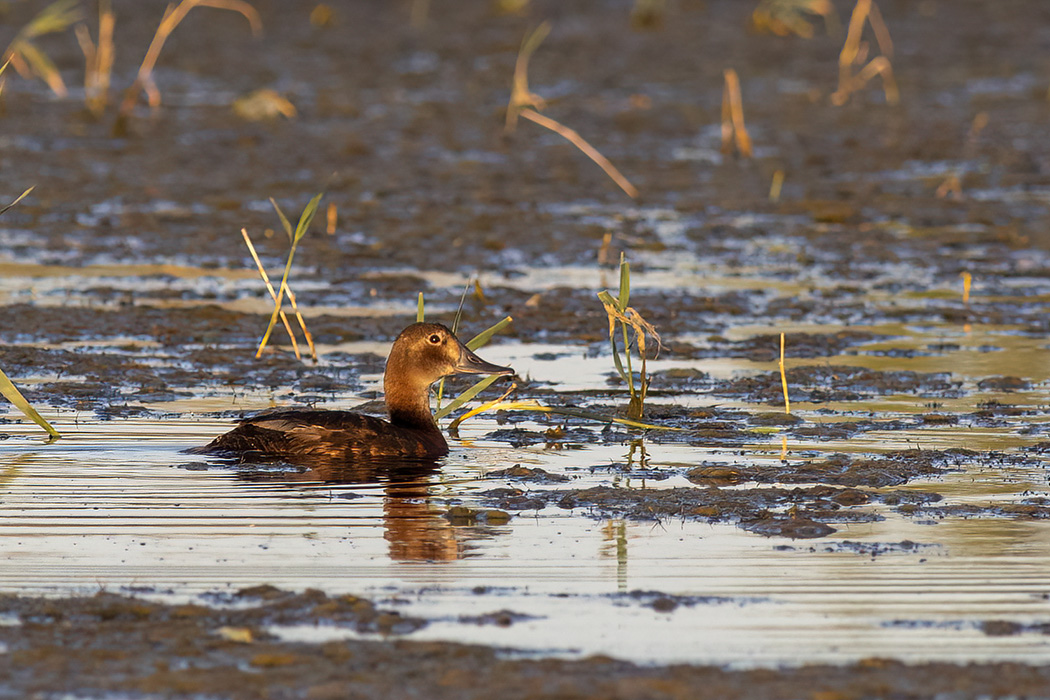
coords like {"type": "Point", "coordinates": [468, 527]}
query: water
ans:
{"type": "Point", "coordinates": [115, 505]}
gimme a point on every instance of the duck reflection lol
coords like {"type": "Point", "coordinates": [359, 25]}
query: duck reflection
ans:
{"type": "Point", "coordinates": [415, 528]}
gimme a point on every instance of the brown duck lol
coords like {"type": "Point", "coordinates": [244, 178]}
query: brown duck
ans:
{"type": "Point", "coordinates": [422, 354]}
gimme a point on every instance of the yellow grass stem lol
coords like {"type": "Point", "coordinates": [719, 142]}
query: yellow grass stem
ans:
{"type": "Point", "coordinates": [783, 377]}
{"type": "Point", "coordinates": [733, 129]}
{"type": "Point", "coordinates": [419, 308]}
{"type": "Point", "coordinates": [481, 409]}
{"type": "Point", "coordinates": [783, 448]}
{"type": "Point", "coordinates": [270, 289]}
{"type": "Point", "coordinates": [173, 16]}
{"type": "Point", "coordinates": [967, 281]}
{"type": "Point", "coordinates": [536, 406]}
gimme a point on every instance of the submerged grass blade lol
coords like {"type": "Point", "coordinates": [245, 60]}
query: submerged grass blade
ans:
{"type": "Point", "coordinates": [12, 394]}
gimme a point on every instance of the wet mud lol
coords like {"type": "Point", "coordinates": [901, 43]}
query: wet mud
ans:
{"type": "Point", "coordinates": [114, 644]}
{"type": "Point", "coordinates": [128, 288]}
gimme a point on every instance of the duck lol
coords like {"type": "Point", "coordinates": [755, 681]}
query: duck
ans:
{"type": "Point", "coordinates": [422, 354]}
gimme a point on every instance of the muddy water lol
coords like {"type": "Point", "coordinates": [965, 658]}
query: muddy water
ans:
{"type": "Point", "coordinates": [115, 506]}
{"type": "Point", "coordinates": [900, 511]}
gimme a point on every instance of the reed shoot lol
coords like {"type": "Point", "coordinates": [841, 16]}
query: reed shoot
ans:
{"type": "Point", "coordinates": [629, 322]}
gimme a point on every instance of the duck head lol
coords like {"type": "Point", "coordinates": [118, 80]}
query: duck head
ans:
{"type": "Point", "coordinates": [422, 354]}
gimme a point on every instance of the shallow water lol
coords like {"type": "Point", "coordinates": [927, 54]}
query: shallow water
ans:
{"type": "Point", "coordinates": [129, 311]}
{"type": "Point", "coordinates": [114, 505]}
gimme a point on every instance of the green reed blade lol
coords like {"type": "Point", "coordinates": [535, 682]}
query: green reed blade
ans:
{"type": "Point", "coordinates": [12, 394]}
{"type": "Point", "coordinates": [625, 283]}
{"type": "Point", "coordinates": [485, 336]}
{"type": "Point", "coordinates": [419, 309]}
{"type": "Point", "coordinates": [465, 396]}
{"type": "Point", "coordinates": [307, 216]}
{"type": "Point", "coordinates": [284, 220]}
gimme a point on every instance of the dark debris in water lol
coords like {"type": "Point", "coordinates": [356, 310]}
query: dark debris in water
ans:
{"type": "Point", "coordinates": [889, 470]}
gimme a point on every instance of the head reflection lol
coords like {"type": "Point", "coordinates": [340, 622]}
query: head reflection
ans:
{"type": "Point", "coordinates": [415, 528]}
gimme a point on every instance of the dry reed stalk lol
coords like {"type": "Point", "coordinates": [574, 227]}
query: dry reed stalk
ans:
{"type": "Point", "coordinates": [784, 17]}
{"type": "Point", "coordinates": [173, 16]}
{"type": "Point", "coordinates": [951, 187]}
{"type": "Point", "coordinates": [783, 377]}
{"type": "Point", "coordinates": [24, 55]}
{"type": "Point", "coordinates": [332, 219]}
{"type": "Point", "coordinates": [776, 186]}
{"type": "Point", "coordinates": [864, 12]}
{"type": "Point", "coordinates": [967, 281]}
{"type": "Point", "coordinates": [783, 448]}
{"type": "Point", "coordinates": [588, 150]}
{"type": "Point", "coordinates": [98, 59]}
{"type": "Point", "coordinates": [733, 129]}
{"type": "Point", "coordinates": [603, 251]}
{"type": "Point", "coordinates": [524, 103]}
{"type": "Point", "coordinates": [270, 289]}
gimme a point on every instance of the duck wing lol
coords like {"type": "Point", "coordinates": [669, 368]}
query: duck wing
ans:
{"type": "Point", "coordinates": [304, 434]}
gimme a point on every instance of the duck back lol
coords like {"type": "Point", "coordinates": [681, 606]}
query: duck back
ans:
{"type": "Point", "coordinates": [304, 434]}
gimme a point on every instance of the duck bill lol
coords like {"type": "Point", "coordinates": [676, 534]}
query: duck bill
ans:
{"type": "Point", "coordinates": [469, 363]}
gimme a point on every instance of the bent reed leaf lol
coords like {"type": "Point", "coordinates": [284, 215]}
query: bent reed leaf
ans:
{"type": "Point", "coordinates": [12, 394]}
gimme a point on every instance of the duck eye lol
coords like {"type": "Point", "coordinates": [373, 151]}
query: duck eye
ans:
{"type": "Point", "coordinates": [435, 339]}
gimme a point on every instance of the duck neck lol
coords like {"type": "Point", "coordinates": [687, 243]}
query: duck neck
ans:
{"type": "Point", "coordinates": [414, 414]}
{"type": "Point", "coordinates": [409, 406]}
